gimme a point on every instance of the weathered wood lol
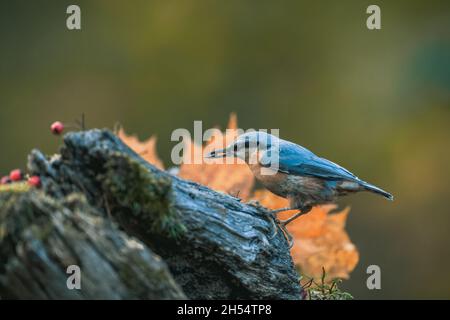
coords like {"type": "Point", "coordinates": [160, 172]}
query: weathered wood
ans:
{"type": "Point", "coordinates": [215, 246]}
{"type": "Point", "coordinates": [42, 237]}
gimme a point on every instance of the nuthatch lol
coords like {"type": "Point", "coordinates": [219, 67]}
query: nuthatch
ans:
{"type": "Point", "coordinates": [295, 173]}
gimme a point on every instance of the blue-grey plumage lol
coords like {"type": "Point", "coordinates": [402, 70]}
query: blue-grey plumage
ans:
{"type": "Point", "coordinates": [293, 172]}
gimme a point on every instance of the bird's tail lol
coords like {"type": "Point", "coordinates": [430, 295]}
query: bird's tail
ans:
{"type": "Point", "coordinates": [375, 189]}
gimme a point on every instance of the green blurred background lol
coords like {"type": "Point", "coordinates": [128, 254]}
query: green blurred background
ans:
{"type": "Point", "coordinates": [376, 102]}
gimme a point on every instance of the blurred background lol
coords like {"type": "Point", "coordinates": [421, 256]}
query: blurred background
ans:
{"type": "Point", "coordinates": [376, 102]}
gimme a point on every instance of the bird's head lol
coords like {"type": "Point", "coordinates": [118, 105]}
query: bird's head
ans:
{"type": "Point", "coordinates": [246, 146]}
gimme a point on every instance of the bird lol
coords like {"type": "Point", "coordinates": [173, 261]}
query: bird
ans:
{"type": "Point", "coordinates": [294, 172]}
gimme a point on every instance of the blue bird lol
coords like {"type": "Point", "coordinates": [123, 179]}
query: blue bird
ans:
{"type": "Point", "coordinates": [295, 173]}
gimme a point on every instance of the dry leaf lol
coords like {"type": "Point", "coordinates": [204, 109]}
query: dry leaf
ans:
{"type": "Point", "coordinates": [146, 149]}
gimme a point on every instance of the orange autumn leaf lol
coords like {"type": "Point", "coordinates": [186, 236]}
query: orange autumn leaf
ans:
{"type": "Point", "coordinates": [320, 239]}
{"type": "Point", "coordinates": [146, 149]}
{"type": "Point", "coordinates": [233, 178]}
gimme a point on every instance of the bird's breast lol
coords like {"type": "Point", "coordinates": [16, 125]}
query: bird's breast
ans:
{"type": "Point", "coordinates": [272, 179]}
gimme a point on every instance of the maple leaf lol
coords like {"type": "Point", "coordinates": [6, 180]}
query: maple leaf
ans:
{"type": "Point", "coordinates": [146, 149]}
{"type": "Point", "coordinates": [320, 239]}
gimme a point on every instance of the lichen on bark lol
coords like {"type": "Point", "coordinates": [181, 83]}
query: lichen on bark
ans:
{"type": "Point", "coordinates": [133, 191]}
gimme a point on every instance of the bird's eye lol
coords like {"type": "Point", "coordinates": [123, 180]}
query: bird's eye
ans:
{"type": "Point", "coordinates": [257, 143]}
{"type": "Point", "coordinates": [235, 148]}
{"type": "Point", "coordinates": [247, 143]}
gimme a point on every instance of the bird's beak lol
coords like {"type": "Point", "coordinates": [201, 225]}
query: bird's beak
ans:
{"type": "Point", "coordinates": [219, 153]}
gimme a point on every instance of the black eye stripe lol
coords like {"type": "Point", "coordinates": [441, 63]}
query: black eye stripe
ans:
{"type": "Point", "coordinates": [246, 144]}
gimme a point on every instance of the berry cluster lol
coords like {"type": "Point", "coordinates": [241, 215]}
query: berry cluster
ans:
{"type": "Point", "coordinates": [17, 175]}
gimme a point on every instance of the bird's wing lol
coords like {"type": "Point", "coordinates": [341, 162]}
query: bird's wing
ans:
{"type": "Point", "coordinates": [296, 160]}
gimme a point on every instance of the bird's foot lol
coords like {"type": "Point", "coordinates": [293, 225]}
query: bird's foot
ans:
{"type": "Point", "coordinates": [286, 234]}
{"type": "Point", "coordinates": [282, 223]}
{"type": "Point", "coordinates": [275, 223]}
{"type": "Point", "coordinates": [275, 220]}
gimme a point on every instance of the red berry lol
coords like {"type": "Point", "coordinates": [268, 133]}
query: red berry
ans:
{"type": "Point", "coordinates": [5, 180]}
{"type": "Point", "coordinates": [15, 175]}
{"type": "Point", "coordinates": [34, 181]}
{"type": "Point", "coordinates": [57, 127]}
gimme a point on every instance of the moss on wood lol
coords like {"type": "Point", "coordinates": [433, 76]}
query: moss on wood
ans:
{"type": "Point", "coordinates": [134, 192]}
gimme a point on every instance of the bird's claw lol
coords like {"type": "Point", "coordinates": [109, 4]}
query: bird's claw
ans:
{"type": "Point", "coordinates": [286, 234]}
{"type": "Point", "coordinates": [276, 223]}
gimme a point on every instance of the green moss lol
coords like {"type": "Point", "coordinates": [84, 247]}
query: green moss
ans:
{"type": "Point", "coordinates": [21, 212]}
{"type": "Point", "coordinates": [156, 274]}
{"type": "Point", "coordinates": [19, 209]}
{"type": "Point", "coordinates": [139, 196]}
{"type": "Point", "coordinates": [18, 187]}
{"type": "Point", "coordinates": [325, 290]}
{"type": "Point", "coordinates": [10, 205]}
